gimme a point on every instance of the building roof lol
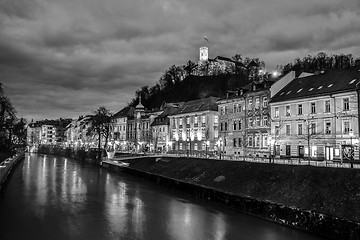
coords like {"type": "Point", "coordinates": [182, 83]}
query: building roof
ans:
{"type": "Point", "coordinates": [198, 105]}
{"type": "Point", "coordinates": [325, 83]}
{"type": "Point", "coordinates": [125, 112]}
{"type": "Point", "coordinates": [163, 119]}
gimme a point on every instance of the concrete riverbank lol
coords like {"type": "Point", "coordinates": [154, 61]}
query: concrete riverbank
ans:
{"type": "Point", "coordinates": [318, 200]}
{"type": "Point", "coordinates": [7, 167]}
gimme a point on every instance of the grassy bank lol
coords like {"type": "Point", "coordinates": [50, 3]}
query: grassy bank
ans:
{"type": "Point", "coordinates": [331, 191]}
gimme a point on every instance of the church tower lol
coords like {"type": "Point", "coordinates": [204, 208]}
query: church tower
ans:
{"type": "Point", "coordinates": [204, 53]}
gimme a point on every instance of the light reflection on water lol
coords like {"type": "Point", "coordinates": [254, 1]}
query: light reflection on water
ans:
{"type": "Point", "coordinates": [58, 198]}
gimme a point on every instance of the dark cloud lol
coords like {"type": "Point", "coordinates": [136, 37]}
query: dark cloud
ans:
{"type": "Point", "coordinates": [65, 58]}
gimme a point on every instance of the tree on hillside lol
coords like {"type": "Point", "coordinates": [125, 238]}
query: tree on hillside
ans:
{"type": "Point", "coordinates": [100, 126]}
{"type": "Point", "coordinates": [19, 133]}
{"type": "Point", "coordinates": [189, 68]}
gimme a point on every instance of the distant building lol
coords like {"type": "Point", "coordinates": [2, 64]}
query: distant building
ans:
{"type": "Point", "coordinates": [219, 65]}
{"type": "Point", "coordinates": [47, 132]}
{"type": "Point", "coordinates": [120, 128]}
{"type": "Point", "coordinates": [194, 127]}
{"type": "Point", "coordinates": [318, 116]}
{"type": "Point", "coordinates": [138, 130]}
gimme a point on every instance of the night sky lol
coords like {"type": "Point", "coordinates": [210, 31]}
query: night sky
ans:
{"type": "Point", "coordinates": [65, 58]}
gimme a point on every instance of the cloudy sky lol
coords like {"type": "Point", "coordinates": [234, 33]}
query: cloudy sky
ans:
{"type": "Point", "coordinates": [65, 58]}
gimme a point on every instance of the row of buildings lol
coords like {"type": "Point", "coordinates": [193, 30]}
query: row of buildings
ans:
{"type": "Point", "coordinates": [296, 116]}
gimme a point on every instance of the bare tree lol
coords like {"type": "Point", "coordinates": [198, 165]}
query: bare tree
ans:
{"type": "Point", "coordinates": [100, 125]}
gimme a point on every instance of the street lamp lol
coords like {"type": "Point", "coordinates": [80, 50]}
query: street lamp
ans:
{"type": "Point", "coordinates": [351, 134]}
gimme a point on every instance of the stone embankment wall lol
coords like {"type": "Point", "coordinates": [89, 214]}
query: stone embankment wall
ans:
{"type": "Point", "coordinates": [8, 166]}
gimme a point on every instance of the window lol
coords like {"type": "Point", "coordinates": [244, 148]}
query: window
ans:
{"type": "Point", "coordinates": [188, 121]}
{"type": "Point", "coordinates": [239, 141]}
{"type": "Point", "coordinates": [234, 142]}
{"type": "Point", "coordinates": [276, 112]}
{"type": "Point", "coordinates": [277, 130]}
{"type": "Point", "coordinates": [327, 106]}
{"type": "Point", "coordinates": [239, 124]}
{"type": "Point", "coordinates": [265, 102]}
{"type": "Point", "coordinates": [265, 120]}
{"type": "Point", "coordinates": [300, 109]}
{"type": "Point", "coordinates": [216, 120]}
{"type": "Point", "coordinates": [180, 122]}
{"type": "Point", "coordinates": [258, 121]}
{"type": "Point", "coordinates": [250, 103]}
{"type": "Point", "coordinates": [221, 126]}
{"type": "Point", "coordinates": [234, 125]}
{"type": "Point", "coordinates": [257, 102]}
{"type": "Point", "coordinates": [287, 150]}
{"type": "Point", "coordinates": [312, 128]}
{"type": "Point", "coordinates": [195, 146]}
{"type": "Point", "coordinates": [225, 126]}
{"type": "Point", "coordinates": [235, 108]}
{"type": "Point", "coordinates": [180, 146]}
{"type": "Point", "coordinates": [346, 127]}
{"type": "Point", "coordinates": [346, 104]}
{"type": "Point", "coordinates": [287, 111]}
{"type": "Point", "coordinates": [226, 110]}
{"type": "Point", "coordinates": [300, 129]}
{"type": "Point", "coordinates": [250, 141]}
{"type": "Point", "coordinates": [250, 122]}
{"type": "Point", "coordinates": [265, 141]}
{"type": "Point", "coordinates": [196, 121]}
{"type": "Point", "coordinates": [203, 120]}
{"type": "Point", "coordinates": [257, 141]}
{"type": "Point", "coordinates": [312, 108]}
{"type": "Point", "coordinates": [287, 128]}
{"type": "Point", "coordinates": [328, 128]}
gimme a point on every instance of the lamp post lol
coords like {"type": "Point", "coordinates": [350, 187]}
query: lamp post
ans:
{"type": "Point", "coordinates": [219, 146]}
{"type": "Point", "coordinates": [351, 134]}
{"type": "Point", "coordinates": [207, 147]}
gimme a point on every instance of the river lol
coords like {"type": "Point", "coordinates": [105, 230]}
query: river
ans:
{"type": "Point", "coordinates": [52, 197]}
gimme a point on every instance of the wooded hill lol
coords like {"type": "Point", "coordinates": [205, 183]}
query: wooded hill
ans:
{"type": "Point", "coordinates": [195, 87]}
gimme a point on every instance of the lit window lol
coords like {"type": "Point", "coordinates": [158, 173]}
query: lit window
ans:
{"type": "Point", "coordinates": [265, 101]}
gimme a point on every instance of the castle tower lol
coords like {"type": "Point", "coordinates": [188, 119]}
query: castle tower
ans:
{"type": "Point", "coordinates": [204, 53]}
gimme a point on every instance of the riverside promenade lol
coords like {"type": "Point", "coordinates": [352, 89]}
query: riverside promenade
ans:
{"type": "Point", "coordinates": [7, 166]}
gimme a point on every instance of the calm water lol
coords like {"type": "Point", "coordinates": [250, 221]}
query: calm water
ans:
{"type": "Point", "coordinates": [57, 198]}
